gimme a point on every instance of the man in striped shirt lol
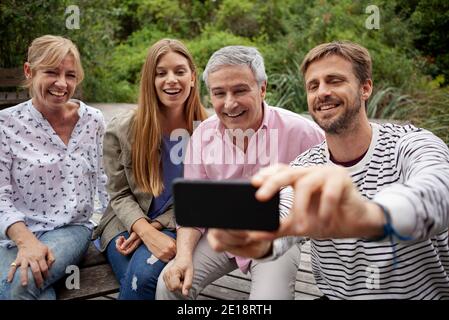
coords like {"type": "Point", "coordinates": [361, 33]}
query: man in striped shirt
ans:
{"type": "Point", "coordinates": [374, 199]}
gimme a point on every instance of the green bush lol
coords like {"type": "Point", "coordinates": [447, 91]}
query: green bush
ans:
{"type": "Point", "coordinates": [430, 111]}
{"type": "Point", "coordinates": [252, 19]}
{"type": "Point", "coordinates": [409, 51]}
{"type": "Point", "coordinates": [286, 90]}
{"type": "Point", "coordinates": [118, 79]}
{"type": "Point", "coordinates": [207, 43]}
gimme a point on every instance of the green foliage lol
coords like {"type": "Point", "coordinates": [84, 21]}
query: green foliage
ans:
{"type": "Point", "coordinates": [429, 110]}
{"type": "Point", "coordinates": [21, 22]}
{"type": "Point", "coordinates": [95, 40]}
{"type": "Point", "coordinates": [203, 46]}
{"type": "Point", "coordinates": [27, 20]}
{"type": "Point", "coordinates": [251, 19]}
{"type": "Point", "coordinates": [388, 103]}
{"type": "Point", "coordinates": [429, 20]}
{"type": "Point", "coordinates": [120, 75]}
{"type": "Point", "coordinates": [164, 14]}
{"type": "Point", "coordinates": [286, 90]}
{"type": "Point", "coordinates": [239, 17]}
{"type": "Point", "coordinates": [409, 51]}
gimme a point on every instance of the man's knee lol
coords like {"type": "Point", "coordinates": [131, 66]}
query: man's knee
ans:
{"type": "Point", "coordinates": [162, 292]}
{"type": "Point", "coordinates": [275, 280]}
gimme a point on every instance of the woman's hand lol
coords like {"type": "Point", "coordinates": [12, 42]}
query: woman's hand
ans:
{"type": "Point", "coordinates": [162, 246]}
{"type": "Point", "coordinates": [158, 243]}
{"type": "Point", "coordinates": [127, 246]}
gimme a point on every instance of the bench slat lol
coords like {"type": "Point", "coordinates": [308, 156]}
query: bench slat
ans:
{"type": "Point", "coordinates": [93, 257]}
{"type": "Point", "coordinates": [305, 276]}
{"type": "Point", "coordinates": [11, 77]}
{"type": "Point", "coordinates": [307, 288]}
{"type": "Point", "coordinates": [97, 279]}
{"type": "Point", "coordinates": [220, 293]}
{"type": "Point", "coordinates": [94, 281]}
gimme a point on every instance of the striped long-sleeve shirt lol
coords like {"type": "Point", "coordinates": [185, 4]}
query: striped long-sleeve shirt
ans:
{"type": "Point", "coordinates": [406, 169]}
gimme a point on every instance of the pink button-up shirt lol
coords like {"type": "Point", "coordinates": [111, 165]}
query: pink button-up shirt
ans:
{"type": "Point", "coordinates": [211, 153]}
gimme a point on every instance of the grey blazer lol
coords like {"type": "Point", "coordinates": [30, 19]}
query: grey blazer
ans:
{"type": "Point", "coordinates": [127, 203]}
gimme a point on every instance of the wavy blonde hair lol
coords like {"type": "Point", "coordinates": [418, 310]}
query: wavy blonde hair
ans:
{"type": "Point", "coordinates": [47, 52]}
{"type": "Point", "coordinates": [146, 129]}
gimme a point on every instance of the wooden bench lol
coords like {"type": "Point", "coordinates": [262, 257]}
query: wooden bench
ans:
{"type": "Point", "coordinates": [11, 90]}
{"type": "Point", "coordinates": [97, 281]}
{"type": "Point", "coordinates": [96, 278]}
{"type": "Point", "coordinates": [236, 285]}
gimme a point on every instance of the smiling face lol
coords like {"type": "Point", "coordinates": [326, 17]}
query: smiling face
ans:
{"type": "Point", "coordinates": [335, 97]}
{"type": "Point", "coordinates": [52, 87]}
{"type": "Point", "coordinates": [173, 80]}
{"type": "Point", "coordinates": [236, 97]}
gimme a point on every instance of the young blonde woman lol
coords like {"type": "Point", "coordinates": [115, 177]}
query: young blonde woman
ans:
{"type": "Point", "coordinates": [50, 169]}
{"type": "Point", "coordinates": [137, 231]}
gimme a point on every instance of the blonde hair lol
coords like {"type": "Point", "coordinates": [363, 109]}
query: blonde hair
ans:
{"type": "Point", "coordinates": [47, 52]}
{"type": "Point", "coordinates": [353, 52]}
{"type": "Point", "coordinates": [146, 129]}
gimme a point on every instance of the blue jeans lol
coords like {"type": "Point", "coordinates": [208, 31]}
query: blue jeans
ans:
{"type": "Point", "coordinates": [68, 244]}
{"type": "Point", "coordinates": [137, 273]}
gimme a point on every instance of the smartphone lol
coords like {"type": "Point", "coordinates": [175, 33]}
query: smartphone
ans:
{"type": "Point", "coordinates": [227, 204]}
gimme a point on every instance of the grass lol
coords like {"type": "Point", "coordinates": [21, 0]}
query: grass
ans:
{"type": "Point", "coordinates": [431, 111]}
{"type": "Point", "coordinates": [286, 90]}
{"type": "Point", "coordinates": [388, 103]}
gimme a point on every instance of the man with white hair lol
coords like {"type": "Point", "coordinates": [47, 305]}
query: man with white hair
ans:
{"type": "Point", "coordinates": [244, 136]}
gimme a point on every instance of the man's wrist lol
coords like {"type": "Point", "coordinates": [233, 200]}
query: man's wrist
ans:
{"type": "Point", "coordinates": [375, 220]}
{"type": "Point", "coordinates": [388, 229]}
{"type": "Point", "coordinates": [268, 250]}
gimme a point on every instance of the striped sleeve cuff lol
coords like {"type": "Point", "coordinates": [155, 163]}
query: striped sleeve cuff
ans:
{"type": "Point", "coordinates": [403, 213]}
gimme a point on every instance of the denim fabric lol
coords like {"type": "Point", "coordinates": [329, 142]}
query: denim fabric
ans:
{"type": "Point", "coordinates": [136, 273]}
{"type": "Point", "coordinates": [68, 244]}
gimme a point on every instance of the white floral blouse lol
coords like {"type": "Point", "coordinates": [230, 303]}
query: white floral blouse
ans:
{"type": "Point", "coordinates": [43, 182]}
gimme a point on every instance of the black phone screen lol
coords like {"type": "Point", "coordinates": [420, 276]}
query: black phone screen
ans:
{"type": "Point", "coordinates": [228, 204]}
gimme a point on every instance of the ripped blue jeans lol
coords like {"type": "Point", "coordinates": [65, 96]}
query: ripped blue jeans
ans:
{"type": "Point", "coordinates": [137, 273]}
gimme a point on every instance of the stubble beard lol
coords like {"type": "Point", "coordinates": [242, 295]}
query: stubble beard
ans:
{"type": "Point", "coordinates": [343, 123]}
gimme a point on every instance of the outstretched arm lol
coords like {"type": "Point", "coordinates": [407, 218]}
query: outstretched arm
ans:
{"type": "Point", "coordinates": [324, 204]}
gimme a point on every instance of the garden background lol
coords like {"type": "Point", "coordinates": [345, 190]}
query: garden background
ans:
{"type": "Point", "coordinates": [408, 41]}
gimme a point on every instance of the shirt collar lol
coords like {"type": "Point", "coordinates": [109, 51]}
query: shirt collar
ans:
{"type": "Point", "coordinates": [36, 113]}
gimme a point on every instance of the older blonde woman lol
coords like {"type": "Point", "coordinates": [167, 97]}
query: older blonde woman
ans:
{"type": "Point", "coordinates": [50, 170]}
{"type": "Point", "coordinates": [138, 230]}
